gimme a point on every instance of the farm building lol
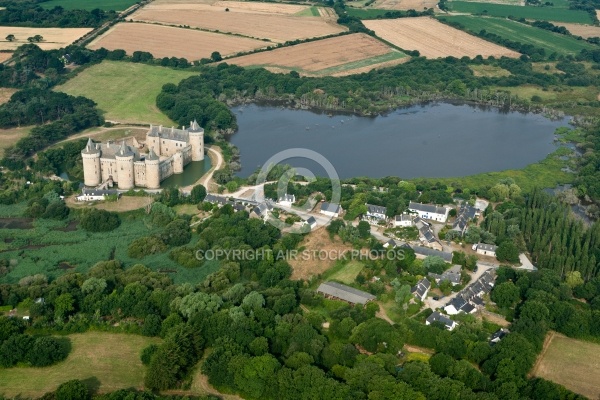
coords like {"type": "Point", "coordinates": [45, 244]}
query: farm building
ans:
{"type": "Point", "coordinates": [337, 291]}
{"type": "Point", "coordinates": [438, 317]}
{"type": "Point", "coordinates": [96, 195]}
{"type": "Point", "coordinates": [331, 209]}
{"type": "Point", "coordinates": [421, 289]}
{"type": "Point", "coordinates": [422, 252]}
{"type": "Point", "coordinates": [429, 211]}
{"type": "Point", "coordinates": [286, 200]}
{"type": "Point", "coordinates": [376, 212]}
{"type": "Point", "coordinates": [487, 249]}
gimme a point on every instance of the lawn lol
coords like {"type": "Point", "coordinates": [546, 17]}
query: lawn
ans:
{"type": "Point", "coordinates": [125, 91]}
{"type": "Point", "coordinates": [572, 363]}
{"type": "Point", "coordinates": [8, 137]}
{"type": "Point", "coordinates": [105, 361]}
{"type": "Point", "coordinates": [117, 5]}
{"type": "Point", "coordinates": [528, 12]}
{"type": "Point", "coordinates": [551, 42]}
{"type": "Point", "coordinates": [348, 273]}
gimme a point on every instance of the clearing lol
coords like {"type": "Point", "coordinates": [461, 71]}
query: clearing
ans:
{"type": "Point", "coordinates": [169, 41]}
{"type": "Point", "coordinates": [317, 241]}
{"type": "Point", "coordinates": [5, 56]}
{"type": "Point", "coordinates": [490, 71]}
{"type": "Point", "coordinates": [528, 12]}
{"type": "Point", "coordinates": [117, 5]}
{"type": "Point", "coordinates": [262, 25]}
{"type": "Point", "coordinates": [549, 41]}
{"type": "Point", "coordinates": [342, 55]}
{"type": "Point", "coordinates": [6, 93]}
{"type": "Point", "coordinates": [54, 38]}
{"type": "Point", "coordinates": [585, 31]}
{"type": "Point", "coordinates": [348, 273]}
{"type": "Point", "coordinates": [572, 363]}
{"type": "Point", "coordinates": [105, 361]}
{"type": "Point", "coordinates": [125, 91]}
{"type": "Point", "coordinates": [124, 204]}
{"type": "Point", "coordinates": [8, 137]}
{"type": "Point", "coordinates": [433, 39]}
{"type": "Point", "coordinates": [417, 5]}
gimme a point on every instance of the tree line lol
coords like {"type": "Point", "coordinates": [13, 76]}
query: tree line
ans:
{"type": "Point", "coordinates": [30, 13]}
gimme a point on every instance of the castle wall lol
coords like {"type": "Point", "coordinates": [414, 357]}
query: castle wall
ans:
{"type": "Point", "coordinates": [109, 168]}
{"type": "Point", "coordinates": [152, 174]}
{"type": "Point", "coordinates": [139, 168]}
{"type": "Point", "coordinates": [125, 173]}
{"type": "Point", "coordinates": [187, 155]}
{"type": "Point", "coordinates": [165, 169]}
{"type": "Point", "coordinates": [169, 147]}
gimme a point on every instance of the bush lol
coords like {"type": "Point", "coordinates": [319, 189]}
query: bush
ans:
{"type": "Point", "coordinates": [72, 390]}
{"type": "Point", "coordinates": [47, 350]}
{"type": "Point", "coordinates": [146, 245]}
{"type": "Point", "coordinates": [99, 220]}
{"type": "Point", "coordinates": [147, 353]}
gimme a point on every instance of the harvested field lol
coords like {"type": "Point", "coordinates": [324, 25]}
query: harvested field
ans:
{"type": "Point", "coordinates": [5, 56]}
{"type": "Point", "coordinates": [433, 39]}
{"type": "Point", "coordinates": [6, 93]}
{"type": "Point", "coordinates": [167, 41]}
{"type": "Point", "coordinates": [417, 5]}
{"type": "Point", "coordinates": [8, 137]}
{"type": "Point", "coordinates": [317, 241]}
{"type": "Point", "coordinates": [54, 38]}
{"type": "Point", "coordinates": [234, 6]}
{"type": "Point", "coordinates": [341, 55]}
{"type": "Point", "coordinates": [572, 363]}
{"type": "Point", "coordinates": [269, 26]}
{"type": "Point", "coordinates": [585, 31]}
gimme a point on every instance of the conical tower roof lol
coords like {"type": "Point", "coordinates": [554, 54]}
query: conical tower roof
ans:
{"type": "Point", "coordinates": [152, 155]}
{"type": "Point", "coordinates": [124, 150]}
{"type": "Point", "coordinates": [90, 148]}
{"type": "Point", "coordinates": [194, 127]}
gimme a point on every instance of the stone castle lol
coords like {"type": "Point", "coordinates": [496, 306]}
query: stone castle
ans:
{"type": "Point", "coordinates": [170, 150]}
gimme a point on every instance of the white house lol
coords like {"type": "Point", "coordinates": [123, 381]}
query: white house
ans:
{"type": "Point", "coordinates": [261, 211]}
{"type": "Point", "coordinates": [429, 211]}
{"type": "Point", "coordinates": [403, 220]}
{"type": "Point", "coordinates": [96, 195]}
{"type": "Point", "coordinates": [286, 200]}
{"type": "Point", "coordinates": [311, 222]}
{"type": "Point", "coordinates": [487, 249]}
{"type": "Point", "coordinates": [421, 289]}
{"type": "Point", "coordinates": [438, 317]}
{"type": "Point", "coordinates": [330, 209]}
{"type": "Point", "coordinates": [376, 212]}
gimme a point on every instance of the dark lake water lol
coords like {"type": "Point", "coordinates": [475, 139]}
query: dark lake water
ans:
{"type": "Point", "coordinates": [191, 173]}
{"type": "Point", "coordinates": [431, 140]}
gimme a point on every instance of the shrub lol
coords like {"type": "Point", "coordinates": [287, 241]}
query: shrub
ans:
{"type": "Point", "coordinates": [100, 220]}
{"type": "Point", "coordinates": [72, 390]}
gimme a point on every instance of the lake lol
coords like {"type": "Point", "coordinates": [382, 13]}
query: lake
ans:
{"type": "Point", "coordinates": [429, 140]}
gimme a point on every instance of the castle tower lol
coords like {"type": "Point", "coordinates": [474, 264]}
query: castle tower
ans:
{"type": "Point", "coordinates": [178, 163]}
{"type": "Point", "coordinates": [92, 173]}
{"type": "Point", "coordinates": [152, 170]}
{"type": "Point", "coordinates": [153, 138]}
{"type": "Point", "coordinates": [125, 172]}
{"type": "Point", "coordinates": [196, 141]}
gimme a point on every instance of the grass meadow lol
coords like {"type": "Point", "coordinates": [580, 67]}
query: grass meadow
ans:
{"type": "Point", "coordinates": [348, 273]}
{"type": "Point", "coordinates": [125, 91]}
{"type": "Point", "coordinates": [117, 5]}
{"type": "Point", "coordinates": [104, 361]}
{"type": "Point", "coordinates": [572, 363]}
{"type": "Point", "coordinates": [551, 42]}
{"type": "Point", "coordinates": [558, 14]}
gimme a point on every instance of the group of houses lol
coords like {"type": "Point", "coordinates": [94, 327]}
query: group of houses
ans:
{"type": "Point", "coordinates": [470, 299]}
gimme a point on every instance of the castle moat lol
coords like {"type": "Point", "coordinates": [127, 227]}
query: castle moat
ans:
{"type": "Point", "coordinates": [430, 140]}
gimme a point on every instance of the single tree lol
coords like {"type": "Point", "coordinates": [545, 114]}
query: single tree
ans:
{"type": "Point", "coordinates": [216, 56]}
{"type": "Point", "coordinates": [11, 38]}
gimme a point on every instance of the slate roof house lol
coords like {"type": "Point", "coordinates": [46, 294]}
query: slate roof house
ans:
{"type": "Point", "coordinates": [95, 194]}
{"type": "Point", "coordinates": [403, 220]}
{"type": "Point", "coordinates": [331, 209]}
{"type": "Point", "coordinates": [337, 291]}
{"type": "Point", "coordinates": [421, 289]}
{"type": "Point", "coordinates": [426, 234]}
{"type": "Point", "coordinates": [487, 249]}
{"type": "Point", "coordinates": [429, 211]}
{"type": "Point", "coordinates": [465, 215]}
{"type": "Point", "coordinates": [438, 317]}
{"type": "Point", "coordinates": [376, 212]}
{"type": "Point", "coordinates": [451, 275]}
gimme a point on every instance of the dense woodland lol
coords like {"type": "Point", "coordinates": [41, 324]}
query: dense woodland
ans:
{"type": "Point", "coordinates": [26, 13]}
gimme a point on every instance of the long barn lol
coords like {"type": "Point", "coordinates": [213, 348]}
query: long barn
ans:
{"type": "Point", "coordinates": [337, 291]}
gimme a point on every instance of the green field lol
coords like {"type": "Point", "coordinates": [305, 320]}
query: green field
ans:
{"type": "Point", "coordinates": [527, 12]}
{"type": "Point", "coordinates": [348, 273]}
{"type": "Point", "coordinates": [572, 363]}
{"type": "Point", "coordinates": [117, 5]}
{"type": "Point", "coordinates": [42, 249]}
{"type": "Point", "coordinates": [125, 91]}
{"type": "Point", "coordinates": [104, 361]}
{"type": "Point", "coordinates": [367, 13]}
{"type": "Point", "coordinates": [309, 12]}
{"type": "Point", "coordinates": [551, 42]}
